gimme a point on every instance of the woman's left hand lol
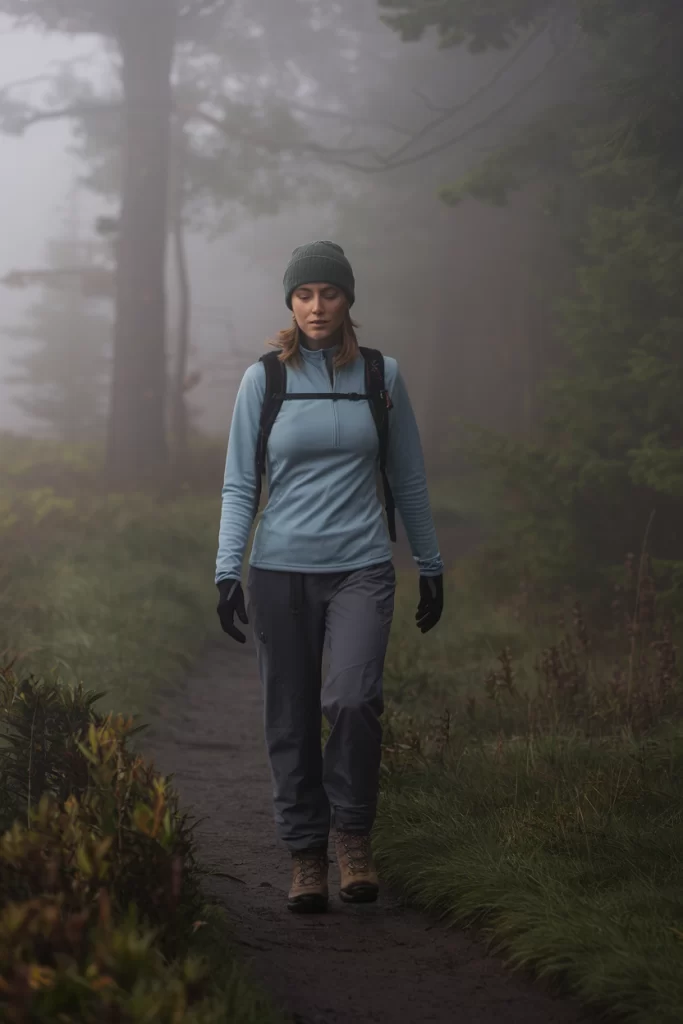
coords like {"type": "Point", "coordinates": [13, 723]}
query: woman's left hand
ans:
{"type": "Point", "coordinates": [431, 602]}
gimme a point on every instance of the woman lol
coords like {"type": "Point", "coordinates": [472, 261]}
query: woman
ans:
{"type": "Point", "coordinates": [321, 573]}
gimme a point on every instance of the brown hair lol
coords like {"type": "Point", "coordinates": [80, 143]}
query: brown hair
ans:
{"type": "Point", "coordinates": [289, 341]}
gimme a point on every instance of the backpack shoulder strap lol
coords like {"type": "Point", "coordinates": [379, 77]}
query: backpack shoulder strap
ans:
{"type": "Point", "coordinates": [276, 386]}
{"type": "Point", "coordinates": [380, 405]}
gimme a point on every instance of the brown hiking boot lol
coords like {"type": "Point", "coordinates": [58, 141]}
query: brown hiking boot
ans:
{"type": "Point", "coordinates": [359, 881]}
{"type": "Point", "coordinates": [309, 893]}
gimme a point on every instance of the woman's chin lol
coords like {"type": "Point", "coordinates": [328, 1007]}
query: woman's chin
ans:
{"type": "Point", "coordinates": [321, 336]}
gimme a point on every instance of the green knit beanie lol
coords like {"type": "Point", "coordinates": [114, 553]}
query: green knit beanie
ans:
{"type": "Point", "coordinates": [319, 263]}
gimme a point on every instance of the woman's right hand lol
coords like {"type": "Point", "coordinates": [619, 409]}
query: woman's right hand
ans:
{"type": "Point", "coordinates": [231, 601]}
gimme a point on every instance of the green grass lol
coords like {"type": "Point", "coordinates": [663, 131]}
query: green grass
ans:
{"type": "Point", "coordinates": [544, 808]}
{"type": "Point", "coordinates": [569, 855]}
{"type": "Point", "coordinates": [424, 673]}
{"type": "Point", "coordinates": [116, 592]}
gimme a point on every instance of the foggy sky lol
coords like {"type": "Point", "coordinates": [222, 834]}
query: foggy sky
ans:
{"type": "Point", "coordinates": [34, 176]}
{"type": "Point", "coordinates": [236, 281]}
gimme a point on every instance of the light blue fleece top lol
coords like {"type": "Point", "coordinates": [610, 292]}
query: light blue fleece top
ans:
{"type": "Point", "coordinates": [324, 512]}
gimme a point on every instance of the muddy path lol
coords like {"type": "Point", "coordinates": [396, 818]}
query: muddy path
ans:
{"type": "Point", "coordinates": [382, 963]}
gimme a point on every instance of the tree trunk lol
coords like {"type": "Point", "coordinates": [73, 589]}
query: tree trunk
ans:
{"type": "Point", "coordinates": [179, 419]}
{"type": "Point", "coordinates": [137, 450]}
{"type": "Point", "coordinates": [178, 415]}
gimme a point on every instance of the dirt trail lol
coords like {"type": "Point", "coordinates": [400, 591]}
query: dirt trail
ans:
{"type": "Point", "coordinates": [380, 963]}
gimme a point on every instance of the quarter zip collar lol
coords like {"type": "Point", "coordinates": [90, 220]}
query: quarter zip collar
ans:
{"type": "Point", "coordinates": [318, 354]}
{"type": "Point", "coordinates": [323, 357]}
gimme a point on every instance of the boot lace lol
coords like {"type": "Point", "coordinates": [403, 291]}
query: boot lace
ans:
{"type": "Point", "coordinates": [310, 869]}
{"type": "Point", "coordinates": [356, 850]}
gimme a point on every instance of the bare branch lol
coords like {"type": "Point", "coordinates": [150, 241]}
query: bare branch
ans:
{"type": "Point", "coordinates": [22, 82]}
{"type": "Point", "coordinates": [19, 122]}
{"type": "Point", "coordinates": [340, 155]}
{"type": "Point", "coordinates": [445, 114]}
{"type": "Point", "coordinates": [342, 115]}
{"type": "Point", "coordinates": [391, 162]}
{"type": "Point", "coordinates": [433, 108]}
{"type": "Point", "coordinates": [95, 281]}
{"type": "Point", "coordinates": [493, 80]}
{"type": "Point", "coordinates": [201, 8]}
{"type": "Point", "coordinates": [49, 77]}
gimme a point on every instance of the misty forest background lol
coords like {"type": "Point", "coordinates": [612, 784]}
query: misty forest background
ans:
{"type": "Point", "coordinates": [507, 180]}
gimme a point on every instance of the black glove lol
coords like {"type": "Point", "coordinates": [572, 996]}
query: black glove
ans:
{"type": "Point", "coordinates": [231, 600]}
{"type": "Point", "coordinates": [431, 602]}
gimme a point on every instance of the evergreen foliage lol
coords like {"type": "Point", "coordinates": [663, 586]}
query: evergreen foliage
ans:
{"type": "Point", "coordinates": [67, 339]}
{"type": "Point", "coordinates": [607, 459]}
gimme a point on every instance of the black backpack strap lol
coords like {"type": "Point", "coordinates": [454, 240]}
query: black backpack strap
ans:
{"type": "Point", "coordinates": [380, 404]}
{"type": "Point", "coordinates": [276, 385]}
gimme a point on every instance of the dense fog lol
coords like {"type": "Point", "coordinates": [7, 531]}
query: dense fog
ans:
{"type": "Point", "coordinates": [459, 295]}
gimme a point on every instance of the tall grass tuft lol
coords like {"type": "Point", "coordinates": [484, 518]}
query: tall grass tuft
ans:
{"type": "Point", "coordinates": [531, 787]}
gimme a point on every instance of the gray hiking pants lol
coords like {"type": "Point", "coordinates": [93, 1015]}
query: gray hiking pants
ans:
{"type": "Point", "coordinates": [295, 617]}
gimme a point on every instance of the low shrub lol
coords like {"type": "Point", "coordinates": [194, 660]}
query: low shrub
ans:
{"type": "Point", "coordinates": [99, 887]}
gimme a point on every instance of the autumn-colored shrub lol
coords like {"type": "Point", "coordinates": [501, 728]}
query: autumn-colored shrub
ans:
{"type": "Point", "coordinates": [99, 890]}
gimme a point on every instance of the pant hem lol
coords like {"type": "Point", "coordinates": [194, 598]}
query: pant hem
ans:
{"type": "Point", "coordinates": [306, 845]}
{"type": "Point", "coordinates": [354, 828]}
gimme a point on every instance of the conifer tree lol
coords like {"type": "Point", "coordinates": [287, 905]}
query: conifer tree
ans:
{"type": "Point", "coordinates": [66, 342]}
{"type": "Point", "coordinates": [609, 460]}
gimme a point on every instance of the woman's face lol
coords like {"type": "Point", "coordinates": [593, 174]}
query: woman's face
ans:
{"type": "Point", "coordinates": [319, 310]}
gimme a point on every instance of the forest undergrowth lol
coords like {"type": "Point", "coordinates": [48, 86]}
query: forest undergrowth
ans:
{"type": "Point", "coordinates": [96, 586]}
{"type": "Point", "coordinates": [102, 913]}
{"type": "Point", "coordinates": [531, 784]}
{"type": "Point", "coordinates": [102, 917]}
{"type": "Point", "coordinates": [531, 772]}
